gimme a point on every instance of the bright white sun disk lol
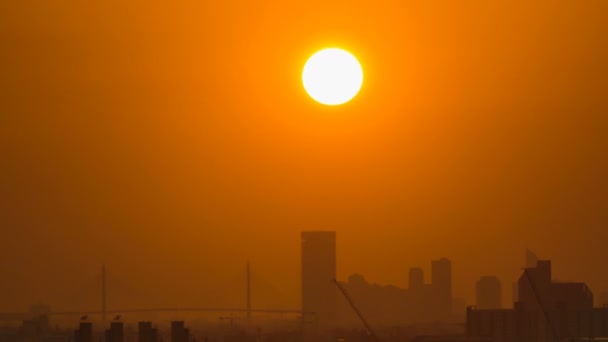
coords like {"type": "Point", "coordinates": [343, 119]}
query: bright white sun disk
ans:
{"type": "Point", "coordinates": [332, 76]}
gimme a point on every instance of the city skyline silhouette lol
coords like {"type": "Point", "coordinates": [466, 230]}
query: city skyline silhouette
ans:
{"type": "Point", "coordinates": [545, 309]}
{"type": "Point", "coordinates": [449, 148]}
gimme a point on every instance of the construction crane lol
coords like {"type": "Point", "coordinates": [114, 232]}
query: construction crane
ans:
{"type": "Point", "coordinates": [352, 304]}
{"type": "Point", "coordinates": [542, 306]}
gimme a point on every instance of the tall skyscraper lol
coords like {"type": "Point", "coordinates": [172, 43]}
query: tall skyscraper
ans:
{"type": "Point", "coordinates": [84, 333]}
{"type": "Point", "coordinates": [489, 293]}
{"type": "Point", "coordinates": [534, 285]}
{"type": "Point", "coordinates": [531, 259]}
{"type": "Point", "coordinates": [319, 293]}
{"type": "Point", "coordinates": [115, 333]}
{"type": "Point", "coordinates": [179, 333]}
{"type": "Point", "coordinates": [441, 282]}
{"type": "Point", "coordinates": [146, 333]}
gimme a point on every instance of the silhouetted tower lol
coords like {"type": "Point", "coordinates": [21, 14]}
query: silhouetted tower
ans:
{"type": "Point", "coordinates": [146, 333]}
{"type": "Point", "coordinates": [539, 277]}
{"type": "Point", "coordinates": [537, 290]}
{"type": "Point", "coordinates": [248, 292]}
{"type": "Point", "coordinates": [319, 293]}
{"type": "Point", "coordinates": [489, 293]}
{"type": "Point", "coordinates": [178, 332]}
{"type": "Point", "coordinates": [84, 333]}
{"type": "Point", "coordinates": [531, 259]}
{"type": "Point", "coordinates": [416, 279]}
{"type": "Point", "coordinates": [103, 294]}
{"type": "Point", "coordinates": [115, 333]}
{"type": "Point", "coordinates": [441, 281]}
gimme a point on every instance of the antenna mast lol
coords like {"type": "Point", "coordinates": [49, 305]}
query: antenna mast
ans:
{"type": "Point", "coordinates": [103, 294]}
{"type": "Point", "coordinates": [248, 292]}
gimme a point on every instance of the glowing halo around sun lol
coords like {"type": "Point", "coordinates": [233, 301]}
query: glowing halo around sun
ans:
{"type": "Point", "coordinates": [332, 76]}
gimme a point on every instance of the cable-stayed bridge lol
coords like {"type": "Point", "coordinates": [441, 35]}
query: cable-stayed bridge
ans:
{"type": "Point", "coordinates": [248, 310]}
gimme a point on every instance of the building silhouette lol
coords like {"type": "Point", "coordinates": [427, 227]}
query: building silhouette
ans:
{"type": "Point", "coordinates": [488, 293]}
{"type": "Point", "coordinates": [179, 333]}
{"type": "Point", "coordinates": [381, 304]}
{"type": "Point", "coordinates": [393, 305]}
{"type": "Point", "coordinates": [115, 333]}
{"type": "Point", "coordinates": [35, 328]}
{"type": "Point", "coordinates": [536, 288]}
{"type": "Point", "coordinates": [84, 333]}
{"type": "Point", "coordinates": [531, 259]}
{"type": "Point", "coordinates": [319, 292]}
{"type": "Point", "coordinates": [441, 281]}
{"type": "Point", "coordinates": [546, 311]}
{"type": "Point", "coordinates": [146, 333]}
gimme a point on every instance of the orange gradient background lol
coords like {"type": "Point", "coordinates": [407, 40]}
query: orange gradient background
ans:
{"type": "Point", "coordinates": [174, 142]}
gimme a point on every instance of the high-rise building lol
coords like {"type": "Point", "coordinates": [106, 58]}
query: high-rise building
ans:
{"type": "Point", "coordinates": [84, 333]}
{"type": "Point", "coordinates": [534, 285]}
{"type": "Point", "coordinates": [489, 293]}
{"type": "Point", "coordinates": [115, 333]}
{"type": "Point", "coordinates": [441, 282]}
{"type": "Point", "coordinates": [34, 329]}
{"type": "Point", "coordinates": [179, 333]}
{"type": "Point", "coordinates": [531, 259]}
{"type": "Point", "coordinates": [547, 311]}
{"type": "Point", "coordinates": [319, 293]}
{"type": "Point", "coordinates": [537, 291]}
{"type": "Point", "coordinates": [146, 333]}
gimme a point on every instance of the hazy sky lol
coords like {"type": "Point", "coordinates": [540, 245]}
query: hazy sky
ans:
{"type": "Point", "coordinates": [174, 142]}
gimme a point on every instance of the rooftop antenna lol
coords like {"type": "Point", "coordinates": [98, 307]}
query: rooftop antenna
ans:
{"type": "Point", "coordinates": [103, 294]}
{"type": "Point", "coordinates": [248, 292]}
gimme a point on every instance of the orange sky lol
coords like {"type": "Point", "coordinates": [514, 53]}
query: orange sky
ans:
{"type": "Point", "coordinates": [174, 142]}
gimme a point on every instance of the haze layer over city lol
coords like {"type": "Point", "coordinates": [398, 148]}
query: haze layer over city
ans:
{"type": "Point", "coordinates": [177, 143]}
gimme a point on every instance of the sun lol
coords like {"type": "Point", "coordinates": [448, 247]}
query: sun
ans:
{"type": "Point", "coordinates": [332, 76]}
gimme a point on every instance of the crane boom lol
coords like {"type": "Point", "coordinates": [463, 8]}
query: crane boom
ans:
{"type": "Point", "coordinates": [542, 306]}
{"type": "Point", "coordinates": [352, 304]}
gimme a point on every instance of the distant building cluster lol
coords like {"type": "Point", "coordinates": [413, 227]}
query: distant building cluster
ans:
{"type": "Point", "coordinates": [546, 311]}
{"type": "Point", "coordinates": [488, 292]}
{"type": "Point", "coordinates": [145, 333]}
{"type": "Point", "coordinates": [421, 302]}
